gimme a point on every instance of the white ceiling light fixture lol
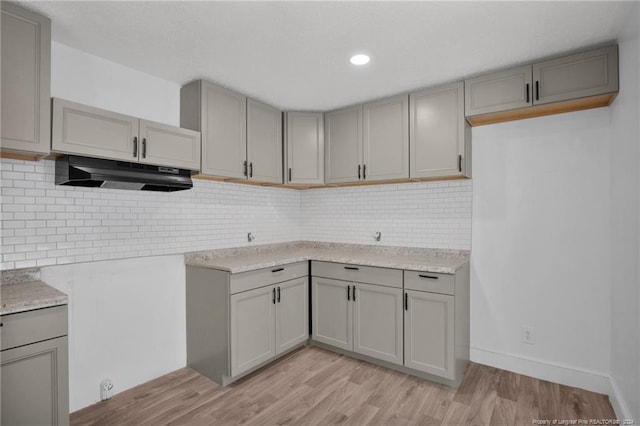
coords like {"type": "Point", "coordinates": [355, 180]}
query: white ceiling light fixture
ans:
{"type": "Point", "coordinates": [360, 59]}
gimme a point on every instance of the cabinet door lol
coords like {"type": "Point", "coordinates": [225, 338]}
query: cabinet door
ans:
{"type": "Point", "coordinates": [576, 76]}
{"type": "Point", "coordinates": [26, 70]}
{"type": "Point", "coordinates": [377, 322]}
{"type": "Point", "coordinates": [170, 146]}
{"type": "Point", "coordinates": [499, 91]}
{"type": "Point", "coordinates": [386, 139]}
{"type": "Point", "coordinates": [35, 387]}
{"type": "Point", "coordinates": [292, 313]}
{"type": "Point", "coordinates": [84, 130]}
{"type": "Point", "coordinates": [223, 125]}
{"type": "Point", "coordinates": [252, 328]}
{"type": "Point", "coordinates": [264, 142]}
{"type": "Point", "coordinates": [437, 131]}
{"type": "Point", "coordinates": [305, 148]}
{"type": "Point", "coordinates": [428, 333]}
{"type": "Point", "coordinates": [343, 145]}
{"type": "Point", "coordinates": [332, 312]}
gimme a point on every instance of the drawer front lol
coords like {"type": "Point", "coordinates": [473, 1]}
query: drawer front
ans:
{"type": "Point", "coordinates": [357, 273]}
{"type": "Point", "coordinates": [33, 326]}
{"type": "Point", "coordinates": [253, 279]}
{"type": "Point", "coordinates": [429, 281]}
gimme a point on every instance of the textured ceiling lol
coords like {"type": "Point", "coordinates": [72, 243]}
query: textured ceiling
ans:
{"type": "Point", "coordinates": [295, 55]}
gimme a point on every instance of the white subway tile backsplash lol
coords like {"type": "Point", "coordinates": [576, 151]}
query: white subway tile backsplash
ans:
{"type": "Point", "coordinates": [44, 224]}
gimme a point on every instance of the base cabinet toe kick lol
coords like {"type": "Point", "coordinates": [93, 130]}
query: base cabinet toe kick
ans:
{"type": "Point", "coordinates": [410, 321]}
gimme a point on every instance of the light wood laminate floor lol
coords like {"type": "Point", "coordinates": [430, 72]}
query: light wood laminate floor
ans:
{"type": "Point", "coordinates": [314, 386]}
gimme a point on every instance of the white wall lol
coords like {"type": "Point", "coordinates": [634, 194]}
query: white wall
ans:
{"type": "Point", "coordinates": [541, 258]}
{"type": "Point", "coordinates": [426, 214]}
{"type": "Point", "coordinates": [126, 322]}
{"type": "Point", "coordinates": [625, 236]}
{"type": "Point", "coordinates": [80, 77]}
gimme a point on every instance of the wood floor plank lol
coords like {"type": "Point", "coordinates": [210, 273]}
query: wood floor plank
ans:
{"type": "Point", "coordinates": [504, 412]}
{"type": "Point", "coordinates": [314, 386]}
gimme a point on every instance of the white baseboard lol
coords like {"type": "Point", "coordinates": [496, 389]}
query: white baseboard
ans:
{"type": "Point", "coordinates": [565, 375]}
{"type": "Point", "coordinates": [618, 402]}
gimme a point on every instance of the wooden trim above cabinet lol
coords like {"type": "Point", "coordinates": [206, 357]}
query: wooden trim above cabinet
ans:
{"type": "Point", "coordinates": [328, 185]}
{"type": "Point", "coordinates": [542, 110]}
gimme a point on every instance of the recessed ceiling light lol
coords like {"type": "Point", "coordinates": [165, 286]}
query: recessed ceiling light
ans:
{"type": "Point", "coordinates": [360, 59]}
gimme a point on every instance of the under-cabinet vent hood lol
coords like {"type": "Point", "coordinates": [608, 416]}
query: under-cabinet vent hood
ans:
{"type": "Point", "coordinates": [72, 170]}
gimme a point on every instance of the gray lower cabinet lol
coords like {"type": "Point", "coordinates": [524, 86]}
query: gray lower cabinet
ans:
{"type": "Point", "coordinates": [416, 322]}
{"type": "Point", "coordinates": [84, 130]}
{"type": "Point", "coordinates": [26, 81]}
{"type": "Point", "coordinates": [428, 333]}
{"type": "Point", "coordinates": [332, 312]}
{"type": "Point", "coordinates": [440, 135]}
{"type": "Point", "coordinates": [377, 322]}
{"type": "Point", "coordinates": [304, 148]}
{"type": "Point", "coordinates": [238, 322]}
{"type": "Point", "coordinates": [264, 142]}
{"type": "Point", "coordinates": [361, 317]}
{"type": "Point", "coordinates": [34, 368]}
{"type": "Point", "coordinates": [252, 329]}
{"type": "Point", "coordinates": [583, 80]}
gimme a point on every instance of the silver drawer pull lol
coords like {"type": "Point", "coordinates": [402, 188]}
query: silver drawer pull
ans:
{"type": "Point", "coordinates": [431, 277]}
{"type": "Point", "coordinates": [351, 268]}
{"type": "Point", "coordinates": [277, 270]}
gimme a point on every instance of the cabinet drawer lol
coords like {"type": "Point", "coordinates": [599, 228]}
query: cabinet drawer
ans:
{"type": "Point", "coordinates": [253, 279]}
{"type": "Point", "coordinates": [357, 273]}
{"type": "Point", "coordinates": [33, 326]}
{"type": "Point", "coordinates": [428, 281]}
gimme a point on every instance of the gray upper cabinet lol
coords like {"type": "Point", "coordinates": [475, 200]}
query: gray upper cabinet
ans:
{"type": "Point", "coordinates": [440, 136]}
{"type": "Point", "coordinates": [576, 76]}
{"type": "Point", "coordinates": [386, 139]}
{"type": "Point", "coordinates": [499, 91]}
{"type": "Point", "coordinates": [169, 145]}
{"type": "Point", "coordinates": [304, 152]}
{"type": "Point", "coordinates": [571, 83]}
{"type": "Point", "coordinates": [343, 145]}
{"type": "Point", "coordinates": [368, 142]}
{"type": "Point", "coordinates": [26, 80]}
{"type": "Point", "coordinates": [220, 115]}
{"type": "Point", "coordinates": [264, 142]}
{"type": "Point", "coordinates": [83, 130]}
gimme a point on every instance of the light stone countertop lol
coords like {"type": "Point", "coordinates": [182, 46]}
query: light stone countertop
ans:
{"type": "Point", "coordinates": [250, 258]}
{"type": "Point", "coordinates": [21, 290]}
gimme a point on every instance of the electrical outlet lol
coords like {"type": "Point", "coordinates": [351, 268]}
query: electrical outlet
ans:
{"type": "Point", "coordinates": [528, 335]}
{"type": "Point", "coordinates": [106, 389]}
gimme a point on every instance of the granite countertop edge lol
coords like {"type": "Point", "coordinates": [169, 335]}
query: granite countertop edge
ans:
{"type": "Point", "coordinates": [237, 260]}
{"type": "Point", "coordinates": [22, 291]}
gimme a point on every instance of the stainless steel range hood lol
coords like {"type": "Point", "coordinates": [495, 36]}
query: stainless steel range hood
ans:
{"type": "Point", "coordinates": [72, 170]}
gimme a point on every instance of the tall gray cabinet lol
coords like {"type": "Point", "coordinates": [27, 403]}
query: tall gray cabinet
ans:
{"type": "Point", "coordinates": [367, 143]}
{"type": "Point", "coordinates": [26, 81]}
